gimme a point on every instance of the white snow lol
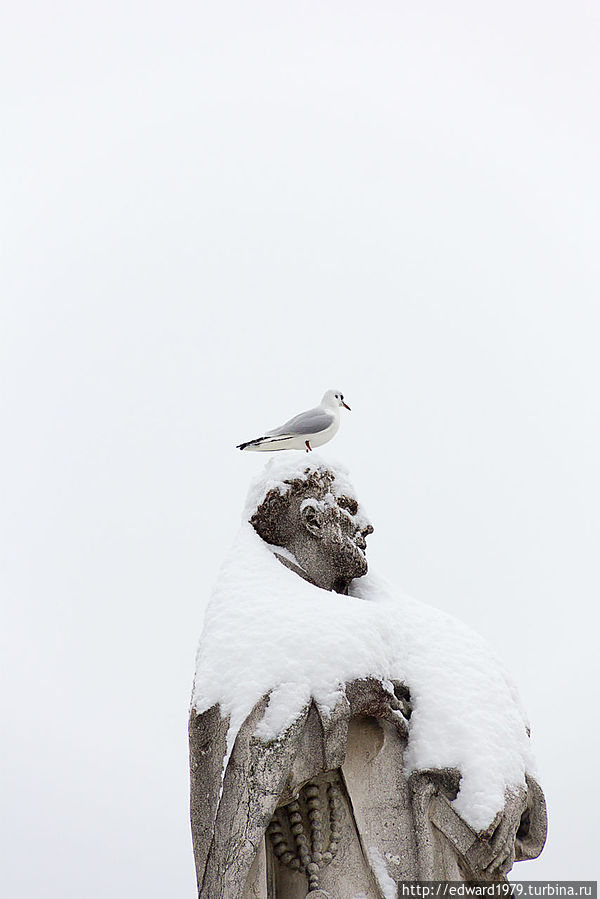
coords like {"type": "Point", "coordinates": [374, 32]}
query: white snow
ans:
{"type": "Point", "coordinates": [379, 867]}
{"type": "Point", "coordinates": [267, 629]}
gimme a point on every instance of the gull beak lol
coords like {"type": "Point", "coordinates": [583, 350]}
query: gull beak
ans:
{"type": "Point", "coordinates": [346, 406]}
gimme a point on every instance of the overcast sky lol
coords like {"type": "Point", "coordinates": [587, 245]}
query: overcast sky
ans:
{"type": "Point", "coordinates": [210, 214]}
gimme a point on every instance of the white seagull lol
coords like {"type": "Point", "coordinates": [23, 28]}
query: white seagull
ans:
{"type": "Point", "coordinates": [304, 431]}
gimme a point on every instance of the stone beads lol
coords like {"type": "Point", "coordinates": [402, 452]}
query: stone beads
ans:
{"type": "Point", "coordinates": [305, 833]}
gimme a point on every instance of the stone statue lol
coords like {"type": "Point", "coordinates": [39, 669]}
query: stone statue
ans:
{"type": "Point", "coordinates": [327, 810]}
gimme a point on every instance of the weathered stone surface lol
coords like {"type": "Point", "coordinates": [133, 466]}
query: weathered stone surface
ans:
{"type": "Point", "coordinates": [319, 810]}
{"type": "Point", "coordinates": [207, 738]}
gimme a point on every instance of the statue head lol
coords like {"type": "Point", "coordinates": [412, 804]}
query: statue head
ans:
{"type": "Point", "coordinates": [320, 525]}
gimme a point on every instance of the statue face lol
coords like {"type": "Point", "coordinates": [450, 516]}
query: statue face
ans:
{"type": "Point", "coordinates": [332, 540]}
{"type": "Point", "coordinates": [326, 534]}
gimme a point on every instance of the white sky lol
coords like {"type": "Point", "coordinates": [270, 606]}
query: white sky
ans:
{"type": "Point", "coordinates": [211, 214]}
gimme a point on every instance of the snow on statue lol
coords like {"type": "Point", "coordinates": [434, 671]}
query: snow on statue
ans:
{"type": "Point", "coordinates": [344, 737]}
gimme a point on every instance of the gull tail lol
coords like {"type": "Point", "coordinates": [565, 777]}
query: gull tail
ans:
{"type": "Point", "coordinates": [251, 444]}
{"type": "Point", "coordinates": [265, 444]}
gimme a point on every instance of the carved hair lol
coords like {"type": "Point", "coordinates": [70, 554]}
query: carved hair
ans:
{"type": "Point", "coordinates": [271, 520]}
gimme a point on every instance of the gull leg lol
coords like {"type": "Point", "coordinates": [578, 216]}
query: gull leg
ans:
{"type": "Point", "coordinates": [308, 447]}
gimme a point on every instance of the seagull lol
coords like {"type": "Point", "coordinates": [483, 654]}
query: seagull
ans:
{"type": "Point", "coordinates": [306, 430]}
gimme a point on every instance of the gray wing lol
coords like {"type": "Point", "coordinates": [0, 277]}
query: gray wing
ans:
{"type": "Point", "coordinates": [311, 422]}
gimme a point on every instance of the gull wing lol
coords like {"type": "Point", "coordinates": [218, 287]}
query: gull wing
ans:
{"type": "Point", "coordinates": [312, 422]}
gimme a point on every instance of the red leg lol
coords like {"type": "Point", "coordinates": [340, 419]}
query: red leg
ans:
{"type": "Point", "coordinates": [308, 447]}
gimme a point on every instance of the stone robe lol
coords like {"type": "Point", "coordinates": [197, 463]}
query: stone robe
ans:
{"type": "Point", "coordinates": [326, 809]}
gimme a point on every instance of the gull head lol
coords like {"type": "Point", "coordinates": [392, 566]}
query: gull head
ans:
{"type": "Point", "coordinates": [334, 398]}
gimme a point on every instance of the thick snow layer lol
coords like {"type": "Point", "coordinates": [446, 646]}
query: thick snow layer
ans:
{"type": "Point", "coordinates": [267, 629]}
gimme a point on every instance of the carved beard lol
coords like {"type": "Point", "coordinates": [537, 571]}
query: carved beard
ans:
{"type": "Point", "coordinates": [348, 559]}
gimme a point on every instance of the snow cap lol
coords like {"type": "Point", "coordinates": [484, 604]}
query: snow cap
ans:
{"type": "Point", "coordinates": [281, 470]}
